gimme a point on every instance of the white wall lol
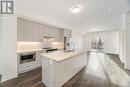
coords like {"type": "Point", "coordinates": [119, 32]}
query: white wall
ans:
{"type": "Point", "coordinates": [127, 37]}
{"type": "Point", "coordinates": [8, 39]}
{"type": "Point", "coordinates": [86, 40]}
{"type": "Point", "coordinates": [122, 46]}
{"type": "Point", "coordinates": [77, 38]}
{"type": "Point", "coordinates": [125, 41]}
{"type": "Point", "coordinates": [110, 39]}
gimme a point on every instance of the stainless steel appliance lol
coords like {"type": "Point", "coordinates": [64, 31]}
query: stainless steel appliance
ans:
{"type": "Point", "coordinates": [66, 43]}
{"type": "Point", "coordinates": [27, 57]}
{"type": "Point", "coordinates": [49, 49]}
{"type": "Point", "coordinates": [49, 39]}
{"type": "Point", "coordinates": [67, 36]}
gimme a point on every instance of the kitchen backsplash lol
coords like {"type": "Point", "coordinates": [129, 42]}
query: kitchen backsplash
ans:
{"type": "Point", "coordinates": [38, 45]}
{"type": "Point", "coordinates": [31, 45]}
{"type": "Point", "coordinates": [59, 45]}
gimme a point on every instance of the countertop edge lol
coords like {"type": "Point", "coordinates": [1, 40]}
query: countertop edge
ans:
{"type": "Point", "coordinates": [76, 53]}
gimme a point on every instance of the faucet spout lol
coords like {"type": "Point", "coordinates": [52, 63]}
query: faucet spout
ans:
{"type": "Point", "coordinates": [72, 46]}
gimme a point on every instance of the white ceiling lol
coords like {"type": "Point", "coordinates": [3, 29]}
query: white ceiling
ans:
{"type": "Point", "coordinates": [94, 15]}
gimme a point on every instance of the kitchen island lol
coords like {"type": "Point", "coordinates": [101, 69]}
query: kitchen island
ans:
{"type": "Point", "coordinates": [58, 67]}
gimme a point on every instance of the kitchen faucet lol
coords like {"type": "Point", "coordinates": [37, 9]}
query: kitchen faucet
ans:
{"type": "Point", "coordinates": [72, 46]}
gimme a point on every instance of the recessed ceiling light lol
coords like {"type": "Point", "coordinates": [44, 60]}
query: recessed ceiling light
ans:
{"type": "Point", "coordinates": [109, 9]}
{"type": "Point", "coordinates": [76, 9]}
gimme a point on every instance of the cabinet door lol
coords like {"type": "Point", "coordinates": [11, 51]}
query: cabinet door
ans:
{"type": "Point", "coordinates": [21, 30]}
{"type": "Point", "coordinates": [45, 30]}
{"type": "Point", "coordinates": [67, 33]}
{"type": "Point", "coordinates": [35, 33]}
{"type": "Point", "coordinates": [53, 32]}
{"type": "Point", "coordinates": [39, 33]}
{"type": "Point", "coordinates": [56, 33]}
{"type": "Point", "coordinates": [59, 35]}
{"type": "Point", "coordinates": [29, 31]}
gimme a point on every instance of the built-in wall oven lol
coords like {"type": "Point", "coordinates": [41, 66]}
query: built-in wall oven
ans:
{"type": "Point", "coordinates": [27, 57]}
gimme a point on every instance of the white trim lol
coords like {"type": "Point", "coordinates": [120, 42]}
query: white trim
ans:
{"type": "Point", "coordinates": [20, 72]}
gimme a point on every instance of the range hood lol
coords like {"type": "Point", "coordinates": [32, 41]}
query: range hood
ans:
{"type": "Point", "coordinates": [48, 39]}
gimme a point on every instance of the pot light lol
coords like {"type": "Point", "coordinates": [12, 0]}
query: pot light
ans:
{"type": "Point", "coordinates": [110, 9]}
{"type": "Point", "coordinates": [76, 9]}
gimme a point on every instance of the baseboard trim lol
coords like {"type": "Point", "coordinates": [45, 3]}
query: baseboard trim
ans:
{"type": "Point", "coordinates": [24, 71]}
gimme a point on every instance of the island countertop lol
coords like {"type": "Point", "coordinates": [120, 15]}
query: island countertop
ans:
{"type": "Point", "coordinates": [61, 55]}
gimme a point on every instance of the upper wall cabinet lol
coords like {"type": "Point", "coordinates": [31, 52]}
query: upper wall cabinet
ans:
{"type": "Point", "coordinates": [21, 30]}
{"type": "Point", "coordinates": [67, 33]}
{"type": "Point", "coordinates": [29, 31]}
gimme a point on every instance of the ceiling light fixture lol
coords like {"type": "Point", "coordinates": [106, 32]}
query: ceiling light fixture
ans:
{"type": "Point", "coordinates": [76, 9]}
{"type": "Point", "coordinates": [110, 9]}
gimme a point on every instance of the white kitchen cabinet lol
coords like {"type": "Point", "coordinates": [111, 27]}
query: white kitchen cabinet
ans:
{"type": "Point", "coordinates": [55, 32]}
{"type": "Point", "coordinates": [21, 30]}
{"type": "Point", "coordinates": [58, 35]}
{"type": "Point", "coordinates": [35, 32]}
{"type": "Point", "coordinates": [29, 31]}
{"type": "Point", "coordinates": [28, 66]}
{"type": "Point", "coordinates": [67, 33]}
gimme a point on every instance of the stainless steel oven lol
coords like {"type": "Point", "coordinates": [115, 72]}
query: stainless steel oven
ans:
{"type": "Point", "coordinates": [27, 57]}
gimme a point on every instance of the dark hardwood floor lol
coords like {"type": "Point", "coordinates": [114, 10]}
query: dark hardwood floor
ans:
{"type": "Point", "coordinates": [103, 70]}
{"type": "Point", "coordinates": [29, 79]}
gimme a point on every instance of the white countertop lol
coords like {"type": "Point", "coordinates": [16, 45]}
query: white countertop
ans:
{"type": "Point", "coordinates": [60, 55]}
{"type": "Point", "coordinates": [29, 50]}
